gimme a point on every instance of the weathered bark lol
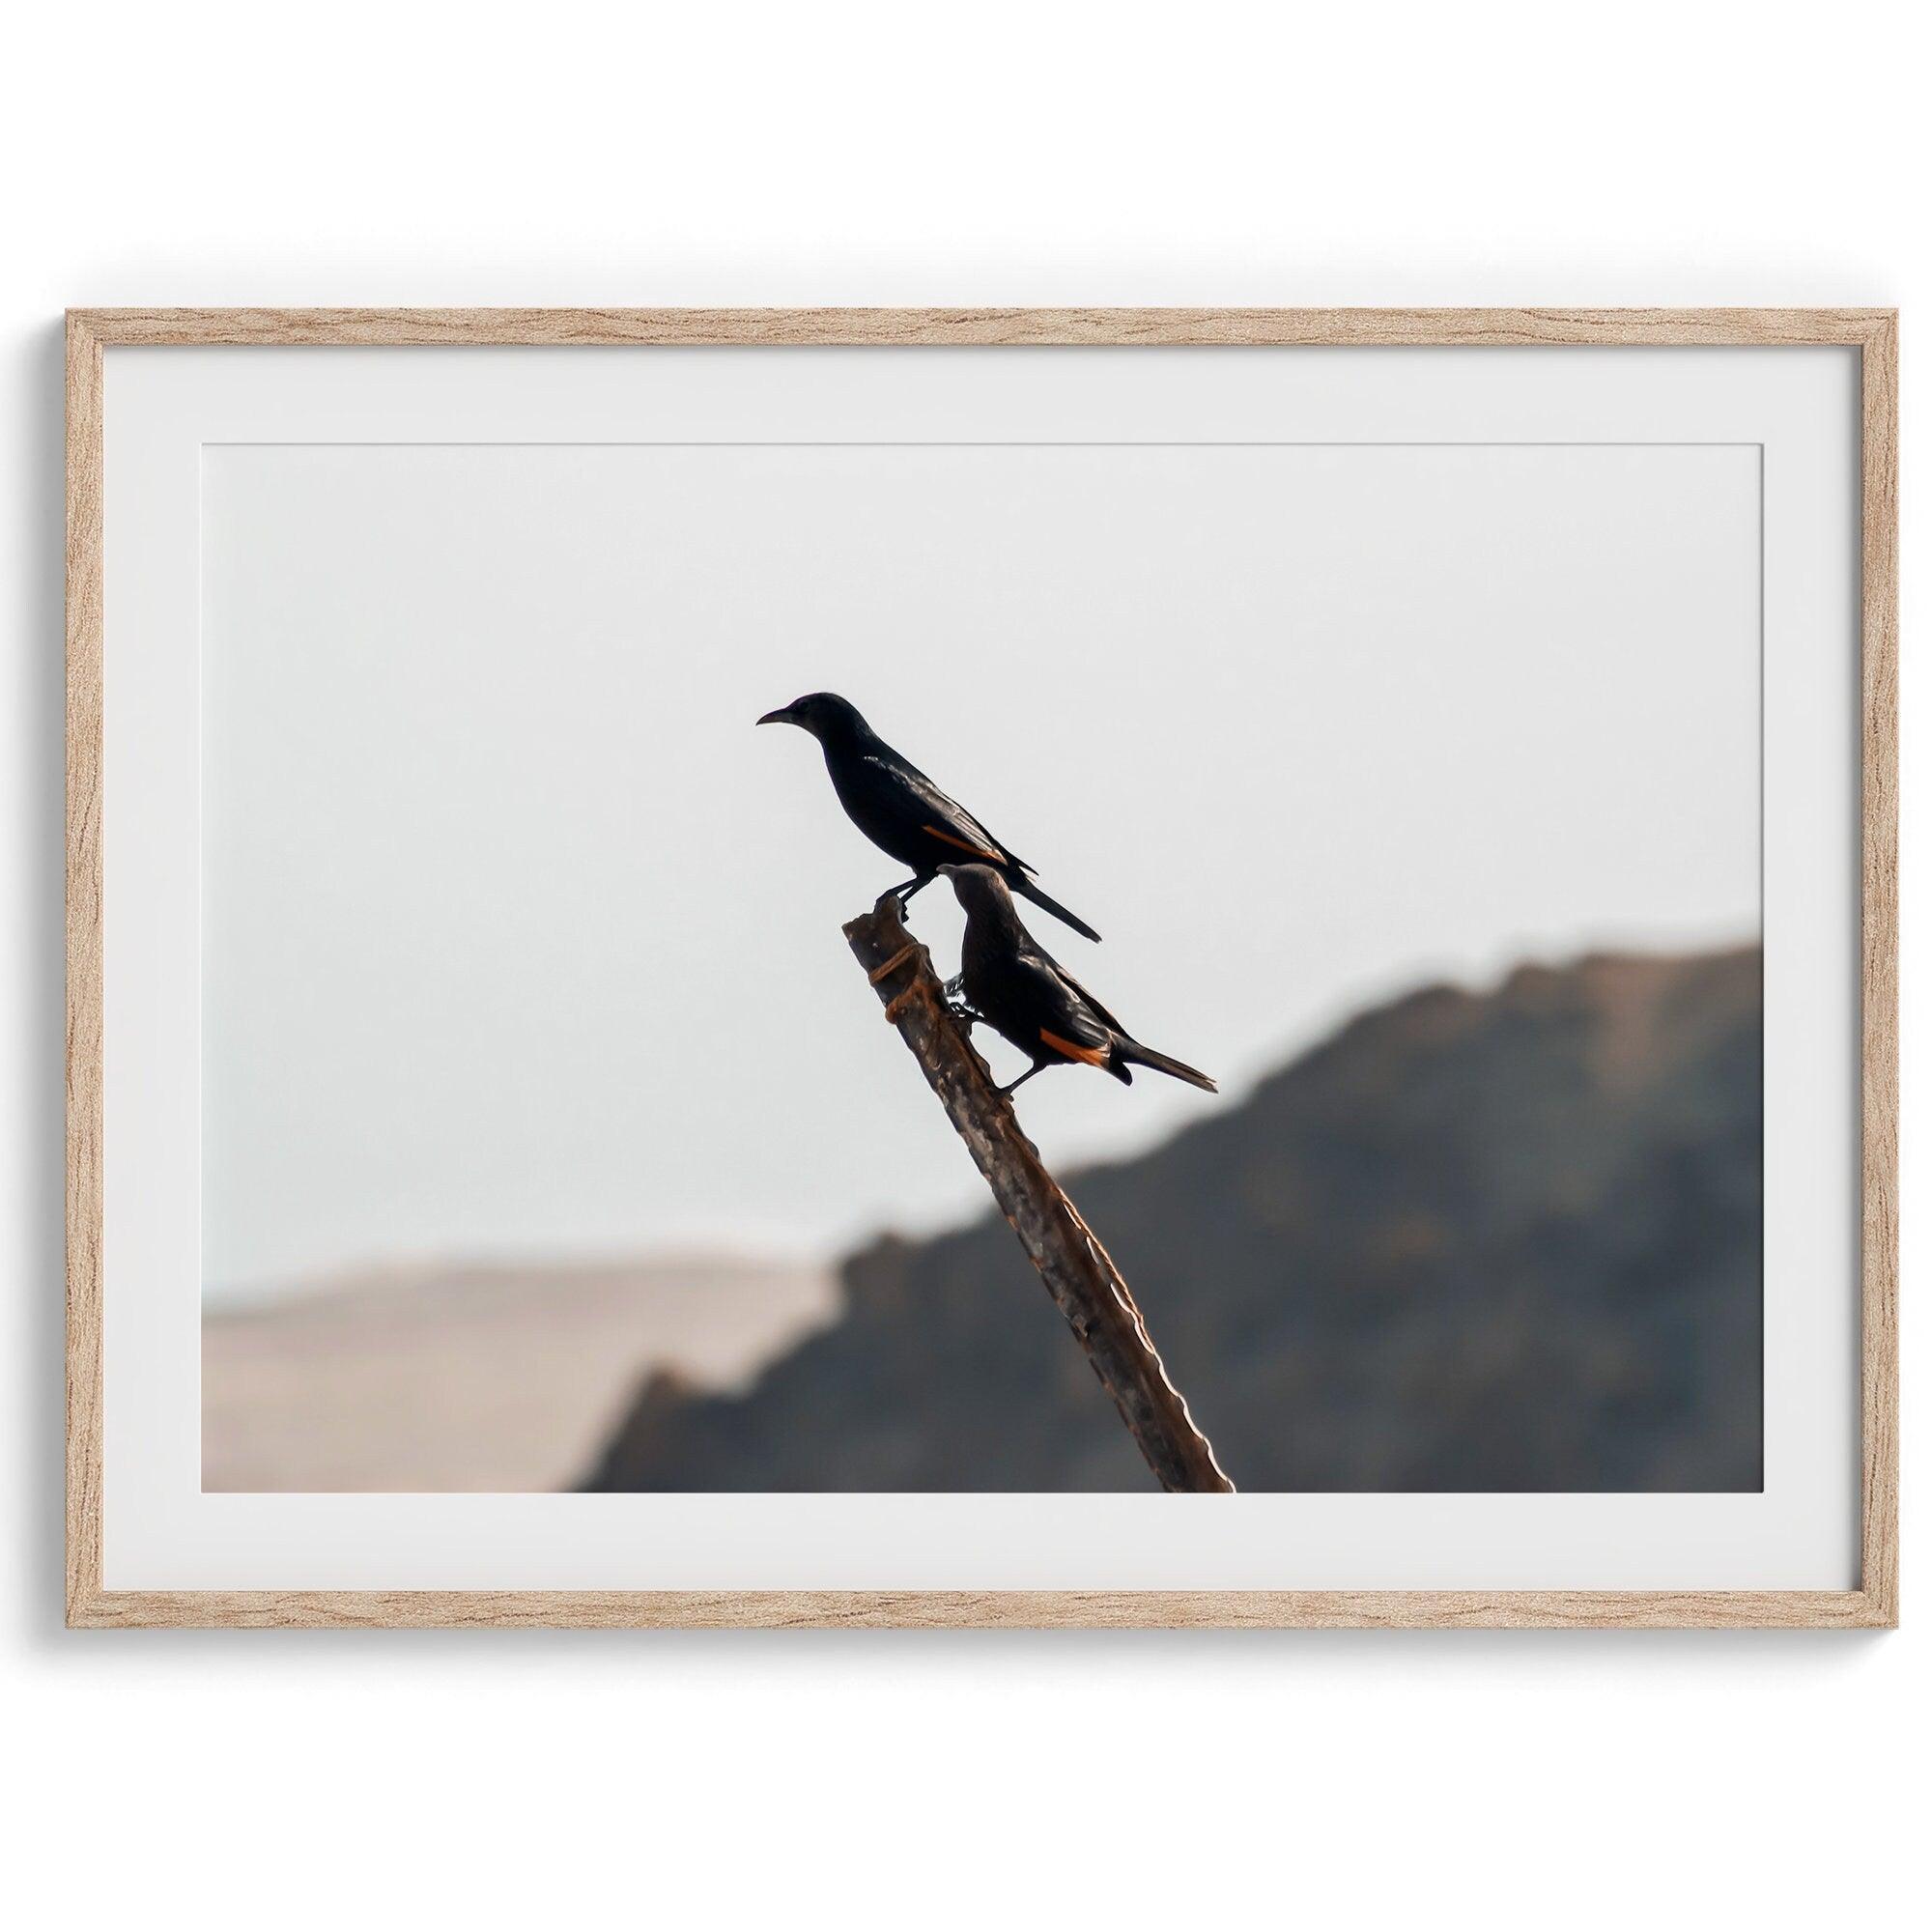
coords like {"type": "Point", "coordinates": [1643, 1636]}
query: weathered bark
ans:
{"type": "Point", "coordinates": [1079, 1274]}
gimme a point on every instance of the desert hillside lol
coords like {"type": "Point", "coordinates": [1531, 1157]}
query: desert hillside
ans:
{"type": "Point", "coordinates": [478, 1377]}
{"type": "Point", "coordinates": [1502, 1240]}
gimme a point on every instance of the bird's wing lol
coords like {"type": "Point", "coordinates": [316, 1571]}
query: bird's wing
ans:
{"type": "Point", "coordinates": [1065, 1022]}
{"type": "Point", "coordinates": [956, 832]}
{"type": "Point", "coordinates": [1092, 1023]}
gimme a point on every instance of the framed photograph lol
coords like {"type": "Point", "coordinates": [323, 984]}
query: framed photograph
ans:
{"type": "Point", "coordinates": [1372, 837]}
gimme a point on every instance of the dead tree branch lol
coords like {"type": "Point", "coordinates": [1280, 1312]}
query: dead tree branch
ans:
{"type": "Point", "coordinates": [1079, 1274]}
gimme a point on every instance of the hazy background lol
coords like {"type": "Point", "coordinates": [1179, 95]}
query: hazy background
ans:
{"type": "Point", "coordinates": [522, 945]}
{"type": "Point", "coordinates": [519, 938]}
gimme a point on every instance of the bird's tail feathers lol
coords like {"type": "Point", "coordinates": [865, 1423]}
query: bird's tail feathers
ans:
{"type": "Point", "coordinates": [1019, 883]}
{"type": "Point", "coordinates": [1161, 1062]}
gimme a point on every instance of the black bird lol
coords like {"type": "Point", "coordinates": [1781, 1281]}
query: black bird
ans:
{"type": "Point", "coordinates": [1023, 993]}
{"type": "Point", "coordinates": [900, 808]}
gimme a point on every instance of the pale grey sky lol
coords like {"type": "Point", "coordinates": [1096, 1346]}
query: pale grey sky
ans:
{"type": "Point", "coordinates": [520, 939]}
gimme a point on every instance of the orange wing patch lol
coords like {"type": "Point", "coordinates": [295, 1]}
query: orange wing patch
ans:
{"type": "Point", "coordinates": [991, 858]}
{"type": "Point", "coordinates": [1094, 1056]}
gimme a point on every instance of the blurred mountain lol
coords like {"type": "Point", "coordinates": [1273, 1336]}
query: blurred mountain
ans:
{"type": "Point", "coordinates": [482, 1375]}
{"type": "Point", "coordinates": [1505, 1241]}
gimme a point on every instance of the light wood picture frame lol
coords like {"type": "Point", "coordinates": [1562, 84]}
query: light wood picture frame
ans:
{"type": "Point", "coordinates": [1871, 332]}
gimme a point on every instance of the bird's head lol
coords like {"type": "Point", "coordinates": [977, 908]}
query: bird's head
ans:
{"type": "Point", "coordinates": [823, 713]}
{"type": "Point", "coordinates": [979, 889]}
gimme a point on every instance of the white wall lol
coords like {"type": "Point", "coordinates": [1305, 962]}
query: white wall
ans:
{"type": "Point", "coordinates": [398, 153]}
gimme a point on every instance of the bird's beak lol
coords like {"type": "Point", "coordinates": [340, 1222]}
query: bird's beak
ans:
{"type": "Point", "coordinates": [947, 871]}
{"type": "Point", "coordinates": [781, 716]}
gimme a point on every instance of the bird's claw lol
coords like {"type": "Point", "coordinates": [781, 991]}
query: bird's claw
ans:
{"type": "Point", "coordinates": [963, 1013]}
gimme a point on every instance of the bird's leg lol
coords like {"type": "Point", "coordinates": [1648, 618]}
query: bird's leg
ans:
{"type": "Point", "coordinates": [1013, 1087]}
{"type": "Point", "coordinates": [959, 1005]}
{"type": "Point", "coordinates": [905, 892]}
